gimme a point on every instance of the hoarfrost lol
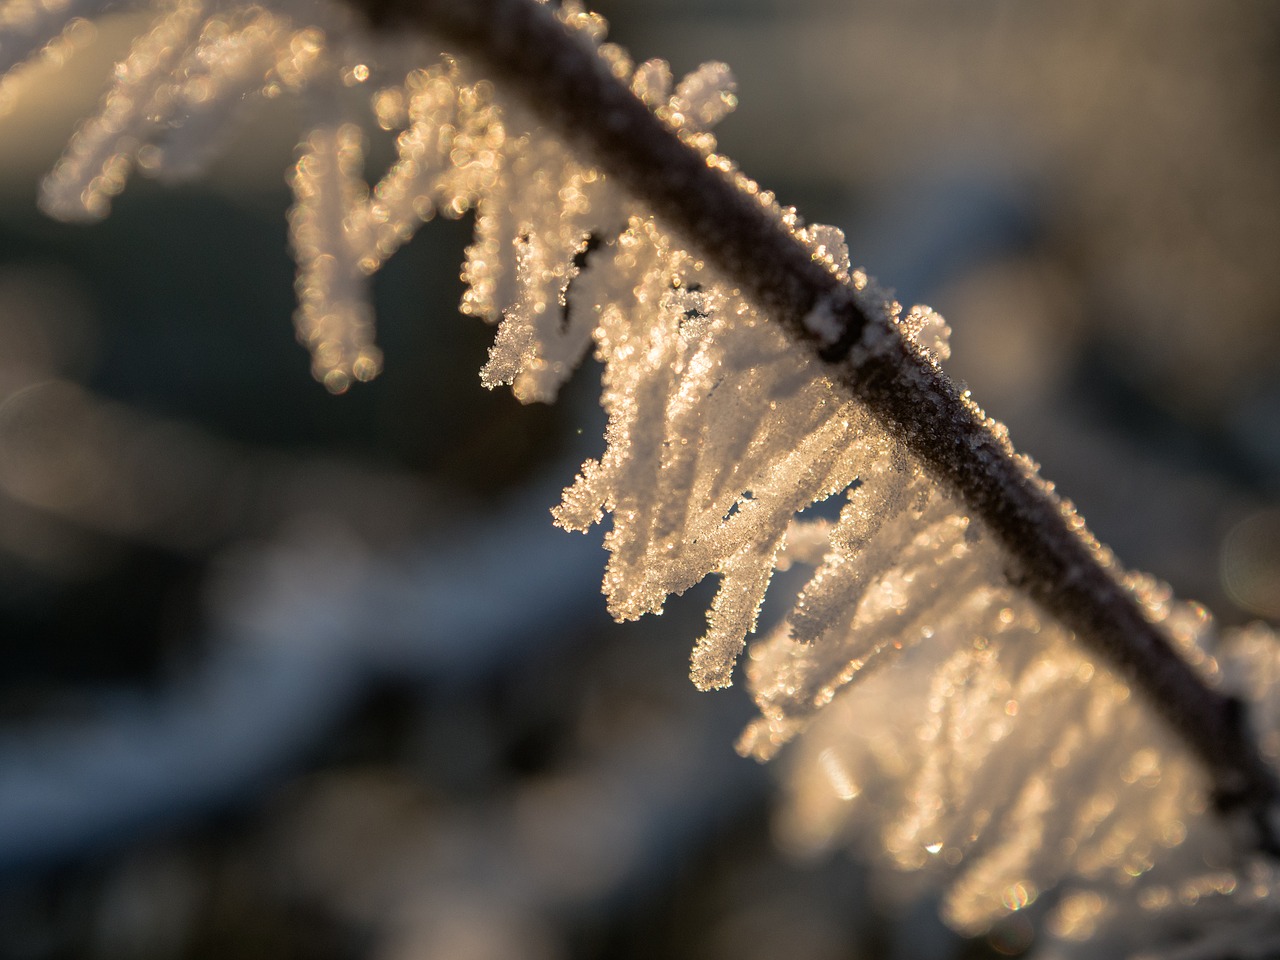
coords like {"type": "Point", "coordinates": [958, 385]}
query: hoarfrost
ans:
{"type": "Point", "coordinates": [330, 244]}
{"type": "Point", "coordinates": [719, 434]}
{"type": "Point", "coordinates": [720, 437]}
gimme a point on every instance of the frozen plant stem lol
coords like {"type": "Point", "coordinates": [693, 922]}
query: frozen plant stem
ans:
{"type": "Point", "coordinates": [1049, 554]}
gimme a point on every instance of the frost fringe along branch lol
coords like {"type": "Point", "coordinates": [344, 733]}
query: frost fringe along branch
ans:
{"type": "Point", "coordinates": [742, 231]}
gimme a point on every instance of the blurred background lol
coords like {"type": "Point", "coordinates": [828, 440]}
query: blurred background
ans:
{"type": "Point", "coordinates": [298, 676]}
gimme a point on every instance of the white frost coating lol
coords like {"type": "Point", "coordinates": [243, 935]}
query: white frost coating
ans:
{"type": "Point", "coordinates": [98, 160]}
{"type": "Point", "coordinates": [720, 436]}
{"type": "Point", "coordinates": [544, 210]}
{"type": "Point", "coordinates": [546, 207]}
{"type": "Point", "coordinates": [652, 83]}
{"type": "Point", "coordinates": [703, 98]}
{"type": "Point", "coordinates": [828, 247]}
{"type": "Point", "coordinates": [330, 242]}
{"type": "Point", "coordinates": [212, 87]}
{"type": "Point", "coordinates": [179, 91]}
{"type": "Point", "coordinates": [460, 146]}
{"type": "Point", "coordinates": [1195, 903]}
{"type": "Point", "coordinates": [928, 331]}
{"type": "Point", "coordinates": [991, 717]}
{"type": "Point", "coordinates": [449, 154]}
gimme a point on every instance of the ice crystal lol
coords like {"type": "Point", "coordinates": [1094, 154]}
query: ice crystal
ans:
{"type": "Point", "coordinates": [331, 243]}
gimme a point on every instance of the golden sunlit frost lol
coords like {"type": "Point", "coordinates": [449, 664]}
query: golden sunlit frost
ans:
{"type": "Point", "coordinates": [186, 81]}
{"type": "Point", "coordinates": [720, 437]}
{"type": "Point", "coordinates": [1002, 760]}
{"type": "Point", "coordinates": [330, 239]}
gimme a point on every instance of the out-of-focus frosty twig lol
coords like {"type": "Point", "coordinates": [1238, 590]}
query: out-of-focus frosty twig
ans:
{"type": "Point", "coordinates": [306, 624]}
{"type": "Point", "coordinates": [503, 877]}
{"type": "Point", "coordinates": [301, 633]}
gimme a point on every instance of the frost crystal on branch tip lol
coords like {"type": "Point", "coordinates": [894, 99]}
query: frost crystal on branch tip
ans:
{"type": "Point", "coordinates": [331, 244]}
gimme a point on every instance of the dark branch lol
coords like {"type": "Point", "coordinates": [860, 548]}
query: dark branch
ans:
{"type": "Point", "coordinates": [521, 42]}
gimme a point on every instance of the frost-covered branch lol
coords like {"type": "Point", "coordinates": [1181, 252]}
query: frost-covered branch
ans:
{"type": "Point", "coordinates": [727, 219]}
{"type": "Point", "coordinates": [749, 373]}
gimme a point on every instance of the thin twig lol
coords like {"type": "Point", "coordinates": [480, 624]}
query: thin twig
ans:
{"type": "Point", "coordinates": [1052, 557]}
